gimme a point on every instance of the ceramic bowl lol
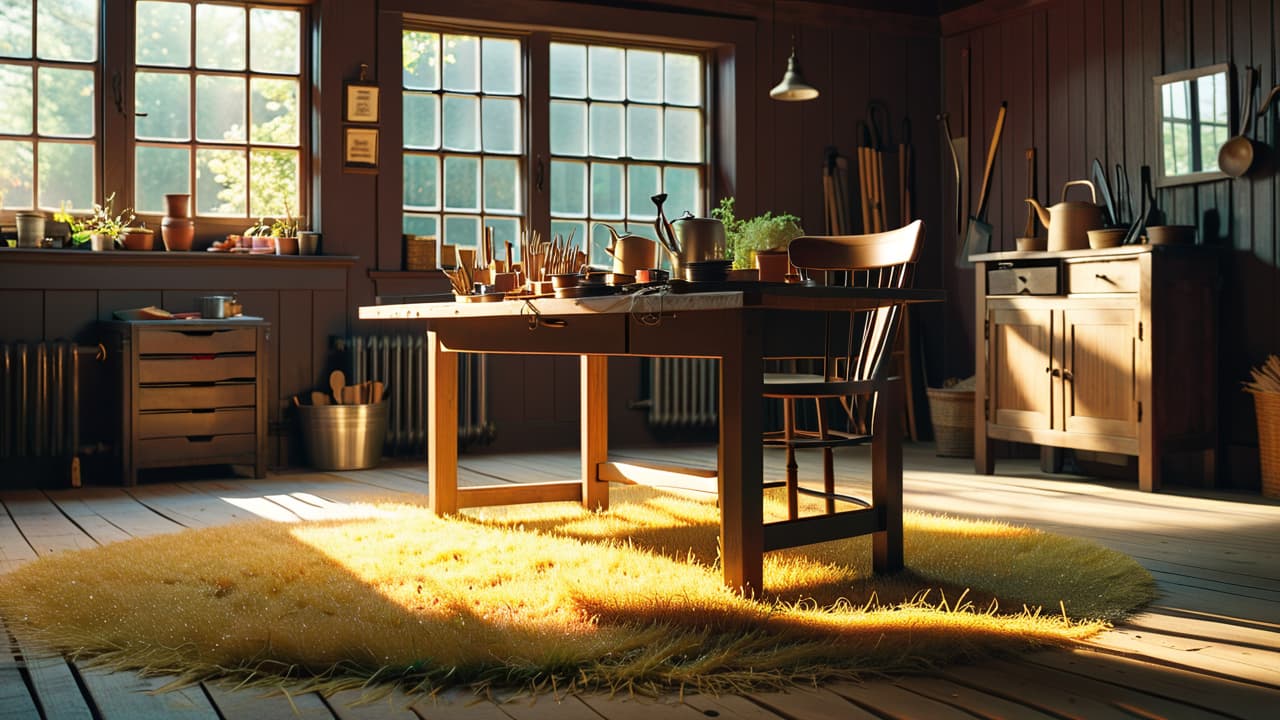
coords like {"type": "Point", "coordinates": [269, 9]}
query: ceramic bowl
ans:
{"type": "Point", "coordinates": [1171, 234]}
{"type": "Point", "coordinates": [1108, 238]}
{"type": "Point", "coordinates": [1031, 244]}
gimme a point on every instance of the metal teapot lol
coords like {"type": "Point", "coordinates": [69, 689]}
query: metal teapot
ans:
{"type": "Point", "coordinates": [1069, 223]}
{"type": "Point", "coordinates": [630, 252]}
{"type": "Point", "coordinates": [699, 239]}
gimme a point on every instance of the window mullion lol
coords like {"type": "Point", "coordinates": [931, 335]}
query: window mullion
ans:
{"type": "Point", "coordinates": [115, 140]}
{"type": "Point", "coordinates": [538, 167]}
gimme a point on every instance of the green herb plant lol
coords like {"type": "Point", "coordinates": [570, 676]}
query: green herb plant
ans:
{"type": "Point", "coordinates": [744, 237]}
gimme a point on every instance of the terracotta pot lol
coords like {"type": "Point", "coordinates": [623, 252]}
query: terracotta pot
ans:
{"type": "Point", "coordinates": [773, 265]}
{"type": "Point", "coordinates": [287, 246]}
{"type": "Point", "coordinates": [178, 204]}
{"type": "Point", "coordinates": [177, 233]}
{"type": "Point", "coordinates": [138, 239]}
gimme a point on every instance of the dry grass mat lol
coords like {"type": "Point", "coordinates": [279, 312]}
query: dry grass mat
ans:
{"type": "Point", "coordinates": [554, 597]}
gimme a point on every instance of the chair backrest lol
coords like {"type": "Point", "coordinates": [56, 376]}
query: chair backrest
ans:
{"type": "Point", "coordinates": [877, 260]}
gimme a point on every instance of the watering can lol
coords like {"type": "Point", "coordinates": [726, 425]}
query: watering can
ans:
{"type": "Point", "coordinates": [630, 252]}
{"type": "Point", "coordinates": [1069, 223]}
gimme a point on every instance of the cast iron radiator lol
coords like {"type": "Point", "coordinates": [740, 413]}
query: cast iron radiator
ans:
{"type": "Point", "coordinates": [40, 402]}
{"type": "Point", "coordinates": [400, 361]}
{"type": "Point", "coordinates": [685, 393]}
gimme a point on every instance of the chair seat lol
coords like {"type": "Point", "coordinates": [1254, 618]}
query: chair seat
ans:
{"type": "Point", "coordinates": [783, 385]}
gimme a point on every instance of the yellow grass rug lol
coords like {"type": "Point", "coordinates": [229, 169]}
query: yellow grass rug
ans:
{"type": "Point", "coordinates": [551, 596]}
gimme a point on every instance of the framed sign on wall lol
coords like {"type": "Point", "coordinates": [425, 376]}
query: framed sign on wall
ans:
{"type": "Point", "coordinates": [360, 149]}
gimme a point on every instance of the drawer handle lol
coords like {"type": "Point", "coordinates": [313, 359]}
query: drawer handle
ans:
{"type": "Point", "coordinates": [199, 438]}
{"type": "Point", "coordinates": [1103, 277]}
{"type": "Point", "coordinates": [1052, 371]}
{"type": "Point", "coordinates": [1066, 375]}
{"type": "Point", "coordinates": [1022, 278]}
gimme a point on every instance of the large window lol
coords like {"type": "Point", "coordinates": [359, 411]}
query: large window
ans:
{"type": "Point", "coordinates": [623, 124]}
{"type": "Point", "coordinates": [48, 99]}
{"type": "Point", "coordinates": [217, 98]}
{"type": "Point", "coordinates": [214, 93]}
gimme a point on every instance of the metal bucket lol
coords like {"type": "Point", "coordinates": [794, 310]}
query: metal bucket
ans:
{"type": "Point", "coordinates": [343, 437]}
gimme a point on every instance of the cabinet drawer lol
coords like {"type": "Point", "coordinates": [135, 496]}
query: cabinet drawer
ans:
{"type": "Point", "coordinates": [1031, 280]}
{"type": "Point", "coordinates": [1110, 276]}
{"type": "Point", "coordinates": [198, 397]}
{"type": "Point", "coordinates": [200, 368]}
{"type": "Point", "coordinates": [197, 342]}
{"type": "Point", "coordinates": [603, 334]}
{"type": "Point", "coordinates": [181, 424]}
{"type": "Point", "coordinates": [195, 450]}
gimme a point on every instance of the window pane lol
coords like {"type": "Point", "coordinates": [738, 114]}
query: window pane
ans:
{"type": "Point", "coordinates": [422, 182]}
{"type": "Point", "coordinates": [275, 40]}
{"type": "Point", "coordinates": [501, 183]}
{"type": "Point", "coordinates": [67, 30]}
{"type": "Point", "coordinates": [421, 121]}
{"type": "Point", "coordinates": [420, 53]}
{"type": "Point", "coordinates": [568, 128]}
{"type": "Point", "coordinates": [644, 132]}
{"type": "Point", "coordinates": [220, 41]}
{"type": "Point", "coordinates": [16, 92]}
{"type": "Point", "coordinates": [600, 237]}
{"type": "Point", "coordinates": [461, 64]}
{"type": "Point", "coordinates": [163, 33]}
{"type": "Point", "coordinates": [461, 184]}
{"type": "Point", "coordinates": [273, 183]}
{"type": "Point", "coordinates": [462, 231]}
{"type": "Point", "coordinates": [461, 122]}
{"type": "Point", "coordinates": [505, 231]}
{"type": "Point", "coordinates": [607, 138]}
{"type": "Point", "coordinates": [501, 118]}
{"type": "Point", "coordinates": [273, 111]}
{"type": "Point", "coordinates": [568, 70]}
{"type": "Point", "coordinates": [220, 111]}
{"type": "Point", "coordinates": [644, 76]}
{"type": "Point", "coordinates": [423, 225]}
{"type": "Point", "coordinates": [607, 75]}
{"type": "Point", "coordinates": [569, 229]}
{"type": "Point", "coordinates": [606, 191]}
{"type": "Point", "coordinates": [220, 182]}
{"type": "Point", "coordinates": [683, 135]}
{"type": "Point", "coordinates": [160, 170]}
{"type": "Point", "coordinates": [164, 98]}
{"type": "Point", "coordinates": [66, 102]}
{"type": "Point", "coordinates": [568, 188]}
{"type": "Point", "coordinates": [500, 63]}
{"type": "Point", "coordinates": [643, 183]}
{"type": "Point", "coordinates": [683, 79]}
{"type": "Point", "coordinates": [15, 30]}
{"type": "Point", "coordinates": [684, 192]}
{"type": "Point", "coordinates": [17, 167]}
{"type": "Point", "coordinates": [66, 174]}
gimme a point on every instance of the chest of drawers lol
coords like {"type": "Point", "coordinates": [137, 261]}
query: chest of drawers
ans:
{"type": "Point", "coordinates": [191, 392]}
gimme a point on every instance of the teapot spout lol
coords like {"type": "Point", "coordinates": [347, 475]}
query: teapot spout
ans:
{"type": "Point", "coordinates": [1041, 211]}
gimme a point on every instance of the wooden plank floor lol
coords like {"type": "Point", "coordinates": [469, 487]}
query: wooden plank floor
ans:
{"type": "Point", "coordinates": [1209, 647]}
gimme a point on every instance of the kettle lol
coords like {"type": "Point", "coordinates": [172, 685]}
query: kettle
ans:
{"type": "Point", "coordinates": [1069, 223]}
{"type": "Point", "coordinates": [699, 239]}
{"type": "Point", "coordinates": [630, 252]}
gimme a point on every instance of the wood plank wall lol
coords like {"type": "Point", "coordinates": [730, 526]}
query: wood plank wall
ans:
{"type": "Point", "coordinates": [1077, 75]}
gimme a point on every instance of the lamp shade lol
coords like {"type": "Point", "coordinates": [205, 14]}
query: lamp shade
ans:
{"type": "Point", "coordinates": [793, 87]}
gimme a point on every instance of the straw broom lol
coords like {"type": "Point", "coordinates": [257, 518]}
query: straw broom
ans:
{"type": "Point", "coordinates": [1266, 379]}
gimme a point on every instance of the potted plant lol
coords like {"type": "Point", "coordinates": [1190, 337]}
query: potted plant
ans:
{"type": "Point", "coordinates": [760, 241]}
{"type": "Point", "coordinates": [285, 233]}
{"type": "Point", "coordinates": [102, 229]}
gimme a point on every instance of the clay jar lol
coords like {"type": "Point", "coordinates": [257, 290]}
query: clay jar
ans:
{"type": "Point", "coordinates": [177, 228]}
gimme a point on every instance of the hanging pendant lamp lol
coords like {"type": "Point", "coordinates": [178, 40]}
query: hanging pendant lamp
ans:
{"type": "Point", "coordinates": [793, 87]}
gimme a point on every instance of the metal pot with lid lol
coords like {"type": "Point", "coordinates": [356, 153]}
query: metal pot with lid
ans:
{"type": "Point", "coordinates": [699, 239]}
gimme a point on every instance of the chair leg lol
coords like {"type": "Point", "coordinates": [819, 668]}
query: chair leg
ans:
{"type": "Point", "coordinates": [788, 434]}
{"type": "Point", "coordinates": [828, 460]}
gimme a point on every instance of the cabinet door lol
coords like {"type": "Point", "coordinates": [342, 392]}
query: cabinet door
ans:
{"type": "Point", "coordinates": [1019, 348]}
{"type": "Point", "coordinates": [1099, 370]}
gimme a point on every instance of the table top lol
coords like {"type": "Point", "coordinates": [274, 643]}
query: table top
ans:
{"type": "Point", "coordinates": [766, 296]}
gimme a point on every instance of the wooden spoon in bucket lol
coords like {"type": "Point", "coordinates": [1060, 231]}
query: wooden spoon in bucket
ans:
{"type": "Point", "coordinates": [1237, 156]}
{"type": "Point", "coordinates": [336, 380]}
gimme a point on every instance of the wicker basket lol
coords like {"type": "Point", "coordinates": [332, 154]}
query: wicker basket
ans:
{"type": "Point", "coordinates": [1267, 405]}
{"type": "Point", "coordinates": [420, 252]}
{"type": "Point", "coordinates": [952, 413]}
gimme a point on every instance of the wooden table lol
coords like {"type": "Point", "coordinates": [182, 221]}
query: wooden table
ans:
{"type": "Point", "coordinates": [740, 327]}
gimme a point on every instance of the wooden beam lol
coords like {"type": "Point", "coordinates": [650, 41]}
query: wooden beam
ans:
{"type": "Point", "coordinates": [594, 379]}
{"type": "Point", "coordinates": [523, 493]}
{"type": "Point", "coordinates": [821, 528]}
{"type": "Point", "coordinates": [658, 475]}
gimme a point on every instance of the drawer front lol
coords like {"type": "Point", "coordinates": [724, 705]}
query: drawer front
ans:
{"type": "Point", "coordinates": [181, 424]}
{"type": "Point", "coordinates": [201, 368]}
{"type": "Point", "coordinates": [1111, 276]}
{"type": "Point", "coordinates": [195, 450]}
{"type": "Point", "coordinates": [198, 397]}
{"type": "Point", "coordinates": [602, 334]}
{"type": "Point", "coordinates": [1041, 280]}
{"type": "Point", "coordinates": [154, 341]}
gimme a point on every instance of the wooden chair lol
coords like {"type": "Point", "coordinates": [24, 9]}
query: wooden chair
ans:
{"type": "Point", "coordinates": [858, 355]}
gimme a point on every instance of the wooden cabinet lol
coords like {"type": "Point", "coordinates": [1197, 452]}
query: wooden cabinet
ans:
{"type": "Point", "coordinates": [1104, 350]}
{"type": "Point", "coordinates": [192, 392]}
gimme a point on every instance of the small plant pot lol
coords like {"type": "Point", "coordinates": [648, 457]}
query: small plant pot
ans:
{"type": "Point", "coordinates": [287, 246]}
{"type": "Point", "coordinates": [99, 242]}
{"type": "Point", "coordinates": [138, 239]}
{"type": "Point", "coordinates": [773, 265]}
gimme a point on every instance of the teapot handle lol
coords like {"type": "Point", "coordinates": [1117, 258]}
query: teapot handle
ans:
{"type": "Point", "coordinates": [1093, 190]}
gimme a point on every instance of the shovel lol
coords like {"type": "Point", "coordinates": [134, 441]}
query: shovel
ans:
{"type": "Point", "coordinates": [978, 236]}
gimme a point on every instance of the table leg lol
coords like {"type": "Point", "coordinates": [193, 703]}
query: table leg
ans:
{"type": "Point", "coordinates": [886, 479]}
{"type": "Point", "coordinates": [442, 427]}
{"type": "Point", "coordinates": [741, 476]}
{"type": "Point", "coordinates": [595, 429]}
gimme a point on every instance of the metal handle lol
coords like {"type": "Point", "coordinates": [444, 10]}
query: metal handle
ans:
{"type": "Point", "coordinates": [1052, 371]}
{"type": "Point", "coordinates": [1022, 278]}
{"type": "Point", "coordinates": [1092, 189]}
{"type": "Point", "coordinates": [1066, 374]}
{"type": "Point", "coordinates": [1101, 276]}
